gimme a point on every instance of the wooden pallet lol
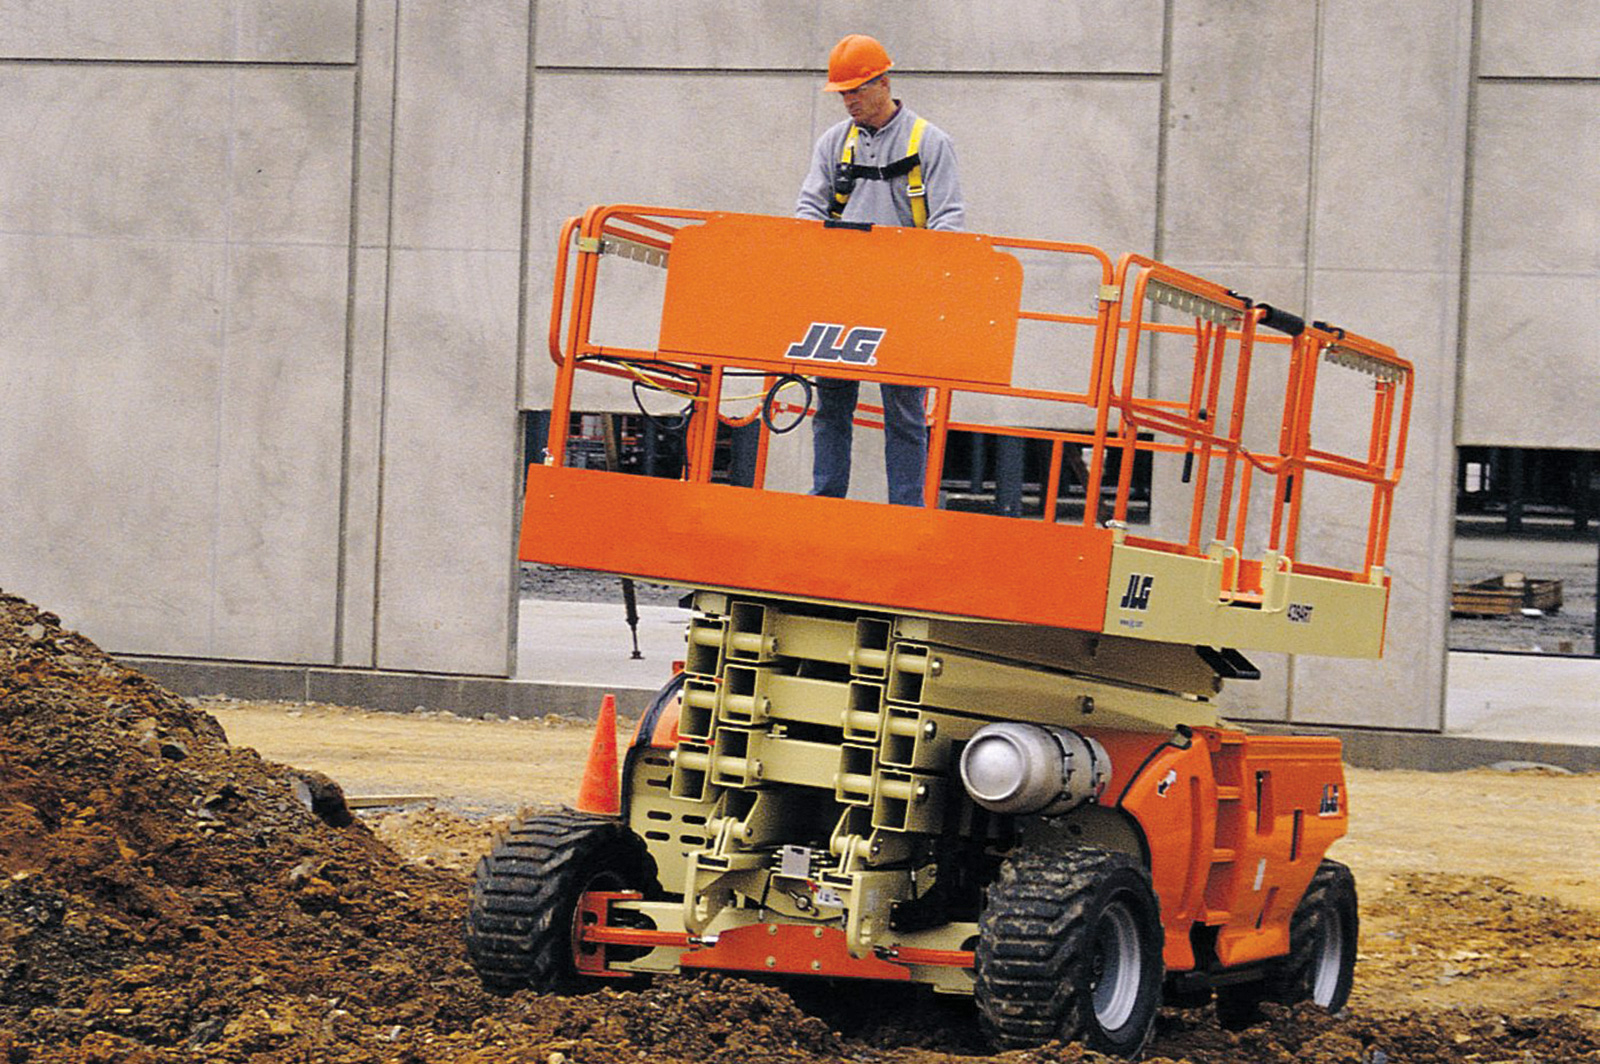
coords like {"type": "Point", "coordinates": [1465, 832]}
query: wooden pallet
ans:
{"type": "Point", "coordinates": [1505, 595]}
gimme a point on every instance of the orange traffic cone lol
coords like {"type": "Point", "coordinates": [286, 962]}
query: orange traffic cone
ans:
{"type": "Point", "coordinates": [599, 792]}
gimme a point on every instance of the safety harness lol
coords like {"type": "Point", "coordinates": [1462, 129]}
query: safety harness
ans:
{"type": "Point", "coordinates": [849, 172]}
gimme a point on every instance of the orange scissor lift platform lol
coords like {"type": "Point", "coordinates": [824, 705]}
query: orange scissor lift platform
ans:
{"type": "Point", "coordinates": [800, 799]}
{"type": "Point", "coordinates": [945, 310]}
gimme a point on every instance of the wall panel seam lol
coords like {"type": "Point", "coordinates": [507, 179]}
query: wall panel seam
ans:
{"type": "Point", "coordinates": [808, 72]}
{"type": "Point", "coordinates": [383, 352]}
{"type": "Point", "coordinates": [1535, 79]}
{"type": "Point", "coordinates": [341, 564]}
{"type": "Point", "coordinates": [1307, 308]}
{"type": "Point", "coordinates": [1163, 106]}
{"type": "Point", "coordinates": [180, 241]}
{"type": "Point", "coordinates": [224, 64]}
{"type": "Point", "coordinates": [514, 603]}
{"type": "Point", "coordinates": [224, 324]}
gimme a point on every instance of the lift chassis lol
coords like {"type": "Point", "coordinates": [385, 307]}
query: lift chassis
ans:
{"type": "Point", "coordinates": [923, 745]}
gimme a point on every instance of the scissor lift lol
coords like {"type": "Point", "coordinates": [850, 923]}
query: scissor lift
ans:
{"type": "Point", "coordinates": [972, 751]}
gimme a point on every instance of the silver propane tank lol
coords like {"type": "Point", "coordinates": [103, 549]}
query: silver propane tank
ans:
{"type": "Point", "coordinates": [1019, 769]}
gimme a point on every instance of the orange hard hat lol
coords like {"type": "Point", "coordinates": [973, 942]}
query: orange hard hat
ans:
{"type": "Point", "coordinates": [855, 61]}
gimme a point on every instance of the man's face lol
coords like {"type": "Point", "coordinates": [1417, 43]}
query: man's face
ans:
{"type": "Point", "coordinates": [871, 104]}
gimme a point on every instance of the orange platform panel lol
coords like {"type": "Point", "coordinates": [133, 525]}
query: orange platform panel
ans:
{"type": "Point", "coordinates": [838, 550]}
{"type": "Point", "coordinates": [900, 301]}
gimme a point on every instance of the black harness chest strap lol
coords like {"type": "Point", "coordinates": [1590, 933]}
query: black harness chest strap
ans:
{"type": "Point", "coordinates": [884, 173]}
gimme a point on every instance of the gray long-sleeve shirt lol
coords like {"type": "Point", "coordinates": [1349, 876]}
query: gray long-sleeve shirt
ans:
{"type": "Point", "coordinates": [886, 202]}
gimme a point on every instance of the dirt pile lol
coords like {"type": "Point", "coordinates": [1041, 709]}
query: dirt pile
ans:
{"type": "Point", "coordinates": [161, 888]}
{"type": "Point", "coordinates": [167, 897]}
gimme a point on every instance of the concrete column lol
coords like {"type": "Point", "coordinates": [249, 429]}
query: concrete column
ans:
{"type": "Point", "coordinates": [447, 473]}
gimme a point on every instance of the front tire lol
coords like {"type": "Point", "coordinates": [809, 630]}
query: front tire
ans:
{"type": "Point", "coordinates": [1069, 947]}
{"type": "Point", "coordinates": [520, 923]}
{"type": "Point", "coordinates": [1320, 967]}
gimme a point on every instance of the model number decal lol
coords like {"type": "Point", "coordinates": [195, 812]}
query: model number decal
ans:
{"type": "Point", "coordinates": [1299, 613]}
{"type": "Point", "coordinates": [822, 344]}
{"type": "Point", "coordinates": [1137, 597]}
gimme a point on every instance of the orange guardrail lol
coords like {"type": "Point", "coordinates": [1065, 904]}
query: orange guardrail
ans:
{"type": "Point", "coordinates": [744, 293]}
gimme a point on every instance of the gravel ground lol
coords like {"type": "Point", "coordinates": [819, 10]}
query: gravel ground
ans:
{"type": "Point", "coordinates": [1569, 630]}
{"type": "Point", "coordinates": [579, 585]}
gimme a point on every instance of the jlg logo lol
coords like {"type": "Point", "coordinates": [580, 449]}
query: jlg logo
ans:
{"type": "Point", "coordinates": [822, 344]}
{"type": "Point", "coordinates": [1137, 597]}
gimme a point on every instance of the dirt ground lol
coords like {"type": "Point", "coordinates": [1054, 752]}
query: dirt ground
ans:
{"type": "Point", "coordinates": [171, 890]}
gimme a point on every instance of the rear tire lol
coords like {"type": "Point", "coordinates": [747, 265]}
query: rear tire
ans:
{"type": "Point", "coordinates": [1320, 967]}
{"type": "Point", "coordinates": [1069, 947]}
{"type": "Point", "coordinates": [520, 927]}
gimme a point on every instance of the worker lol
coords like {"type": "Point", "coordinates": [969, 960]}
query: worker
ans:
{"type": "Point", "coordinates": [886, 166]}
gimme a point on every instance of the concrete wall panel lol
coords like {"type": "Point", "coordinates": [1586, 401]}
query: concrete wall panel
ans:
{"type": "Point", "coordinates": [116, 151]}
{"type": "Point", "coordinates": [1534, 182]}
{"type": "Point", "coordinates": [449, 438]}
{"type": "Point", "coordinates": [1391, 134]}
{"type": "Point", "coordinates": [1036, 36]}
{"type": "Point", "coordinates": [280, 420]}
{"type": "Point", "coordinates": [449, 445]}
{"type": "Point", "coordinates": [289, 157]}
{"type": "Point", "coordinates": [459, 107]}
{"type": "Point", "coordinates": [1531, 375]}
{"type": "Point", "coordinates": [172, 337]}
{"type": "Point", "coordinates": [278, 31]}
{"type": "Point", "coordinates": [1050, 158]}
{"type": "Point", "coordinates": [193, 153]}
{"type": "Point", "coordinates": [109, 434]}
{"type": "Point", "coordinates": [672, 34]}
{"type": "Point", "coordinates": [1019, 35]}
{"type": "Point", "coordinates": [1239, 135]}
{"type": "Point", "coordinates": [1534, 269]}
{"type": "Point", "coordinates": [1540, 39]}
{"type": "Point", "coordinates": [1385, 250]}
{"type": "Point", "coordinates": [375, 124]}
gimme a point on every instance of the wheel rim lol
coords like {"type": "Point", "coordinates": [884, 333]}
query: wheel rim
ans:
{"type": "Point", "coordinates": [1117, 966]}
{"type": "Point", "coordinates": [1328, 964]}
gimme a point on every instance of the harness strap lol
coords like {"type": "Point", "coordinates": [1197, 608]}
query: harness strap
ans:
{"type": "Point", "coordinates": [914, 186]}
{"type": "Point", "coordinates": [841, 189]}
{"type": "Point", "coordinates": [884, 173]}
{"type": "Point", "coordinates": [849, 172]}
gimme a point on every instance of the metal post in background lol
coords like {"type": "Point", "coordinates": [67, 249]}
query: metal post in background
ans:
{"type": "Point", "coordinates": [1008, 476]}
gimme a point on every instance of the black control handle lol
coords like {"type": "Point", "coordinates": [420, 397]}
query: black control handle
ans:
{"type": "Point", "coordinates": [1282, 321]}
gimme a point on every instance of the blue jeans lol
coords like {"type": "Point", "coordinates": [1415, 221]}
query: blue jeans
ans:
{"type": "Point", "coordinates": [905, 439]}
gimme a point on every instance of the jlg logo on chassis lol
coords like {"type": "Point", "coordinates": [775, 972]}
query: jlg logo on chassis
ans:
{"type": "Point", "coordinates": [822, 344]}
{"type": "Point", "coordinates": [1137, 597]}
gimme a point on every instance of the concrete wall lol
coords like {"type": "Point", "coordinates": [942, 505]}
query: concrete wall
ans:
{"type": "Point", "coordinates": [278, 270]}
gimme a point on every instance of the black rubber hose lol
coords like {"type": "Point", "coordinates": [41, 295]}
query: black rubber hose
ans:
{"type": "Point", "coordinates": [772, 395]}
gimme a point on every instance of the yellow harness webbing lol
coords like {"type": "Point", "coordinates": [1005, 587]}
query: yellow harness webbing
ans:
{"type": "Point", "coordinates": [915, 189]}
{"type": "Point", "coordinates": [914, 186]}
